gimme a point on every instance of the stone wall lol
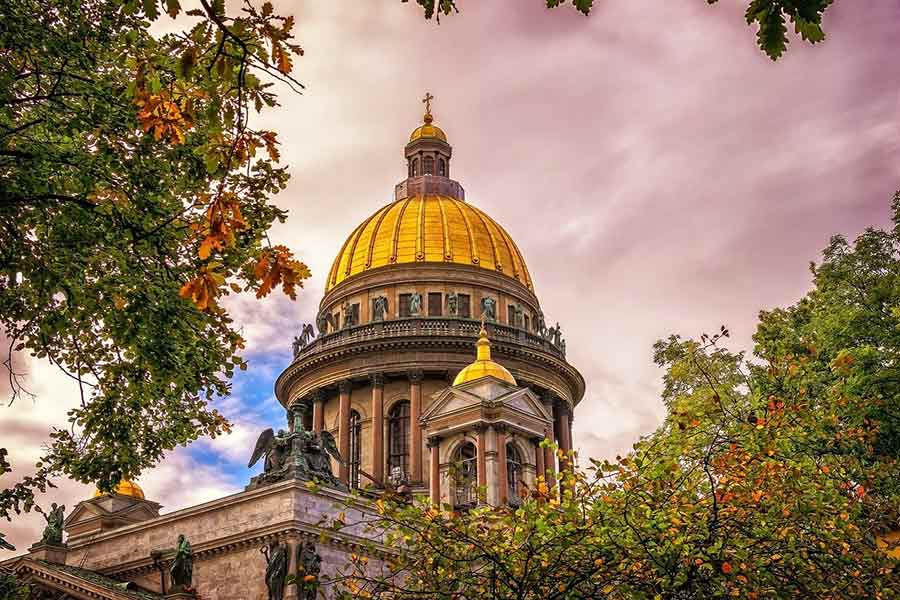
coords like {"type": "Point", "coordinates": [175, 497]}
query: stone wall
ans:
{"type": "Point", "coordinates": [226, 536]}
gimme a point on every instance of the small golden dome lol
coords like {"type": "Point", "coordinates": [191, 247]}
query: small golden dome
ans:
{"type": "Point", "coordinates": [429, 229]}
{"type": "Point", "coordinates": [483, 365]}
{"type": "Point", "coordinates": [125, 488]}
{"type": "Point", "coordinates": [428, 131]}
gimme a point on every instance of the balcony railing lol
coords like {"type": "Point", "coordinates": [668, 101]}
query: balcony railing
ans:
{"type": "Point", "coordinates": [428, 327]}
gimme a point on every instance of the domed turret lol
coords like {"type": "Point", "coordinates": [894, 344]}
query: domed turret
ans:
{"type": "Point", "coordinates": [483, 365]}
{"type": "Point", "coordinates": [125, 488]}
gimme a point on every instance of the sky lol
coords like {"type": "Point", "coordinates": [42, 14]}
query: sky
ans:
{"type": "Point", "coordinates": [658, 172]}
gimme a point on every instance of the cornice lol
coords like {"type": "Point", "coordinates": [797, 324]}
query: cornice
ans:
{"type": "Point", "coordinates": [422, 334]}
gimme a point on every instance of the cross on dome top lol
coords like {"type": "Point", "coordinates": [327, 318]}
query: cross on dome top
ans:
{"type": "Point", "coordinates": [427, 102]}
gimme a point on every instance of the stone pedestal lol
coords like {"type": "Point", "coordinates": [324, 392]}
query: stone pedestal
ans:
{"type": "Point", "coordinates": [51, 553]}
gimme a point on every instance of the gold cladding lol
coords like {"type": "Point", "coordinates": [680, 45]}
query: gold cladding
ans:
{"type": "Point", "coordinates": [428, 229]}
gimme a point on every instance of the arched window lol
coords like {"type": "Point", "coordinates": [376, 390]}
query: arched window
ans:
{"type": "Point", "coordinates": [355, 447]}
{"type": "Point", "coordinates": [513, 470]}
{"type": "Point", "coordinates": [428, 166]}
{"type": "Point", "coordinates": [414, 167]}
{"type": "Point", "coordinates": [465, 474]}
{"type": "Point", "coordinates": [398, 437]}
{"type": "Point", "coordinates": [442, 167]}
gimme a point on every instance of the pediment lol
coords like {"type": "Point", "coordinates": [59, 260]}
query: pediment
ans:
{"type": "Point", "coordinates": [487, 391]}
{"type": "Point", "coordinates": [523, 400]}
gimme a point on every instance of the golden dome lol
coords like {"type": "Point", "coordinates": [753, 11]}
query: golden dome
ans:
{"type": "Point", "coordinates": [427, 130]}
{"type": "Point", "coordinates": [125, 488]}
{"type": "Point", "coordinates": [429, 229]}
{"type": "Point", "coordinates": [483, 365]}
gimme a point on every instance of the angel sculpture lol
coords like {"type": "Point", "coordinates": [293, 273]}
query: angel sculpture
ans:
{"type": "Point", "coordinates": [300, 453]}
{"type": "Point", "coordinates": [276, 449]}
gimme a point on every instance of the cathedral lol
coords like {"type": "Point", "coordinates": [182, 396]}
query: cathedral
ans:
{"type": "Point", "coordinates": [431, 372]}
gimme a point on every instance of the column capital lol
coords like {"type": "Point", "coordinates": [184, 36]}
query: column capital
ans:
{"type": "Point", "coordinates": [344, 386]}
{"type": "Point", "coordinates": [433, 440]}
{"type": "Point", "coordinates": [317, 394]}
{"type": "Point", "coordinates": [416, 375]}
{"type": "Point", "coordinates": [480, 427]}
{"type": "Point", "coordinates": [377, 379]}
{"type": "Point", "coordinates": [501, 427]}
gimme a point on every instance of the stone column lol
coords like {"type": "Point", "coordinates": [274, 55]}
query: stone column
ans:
{"type": "Point", "coordinates": [434, 479]}
{"type": "Point", "coordinates": [378, 428]}
{"type": "Point", "coordinates": [549, 453]}
{"type": "Point", "coordinates": [481, 461]}
{"type": "Point", "coordinates": [539, 469]}
{"type": "Point", "coordinates": [502, 475]}
{"type": "Point", "coordinates": [318, 417]}
{"type": "Point", "coordinates": [565, 435]}
{"type": "Point", "coordinates": [344, 431]}
{"type": "Point", "coordinates": [415, 428]}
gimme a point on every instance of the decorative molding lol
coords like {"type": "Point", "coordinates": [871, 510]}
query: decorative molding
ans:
{"type": "Point", "coordinates": [345, 386]}
{"type": "Point", "coordinates": [377, 379]}
{"type": "Point", "coordinates": [416, 376]}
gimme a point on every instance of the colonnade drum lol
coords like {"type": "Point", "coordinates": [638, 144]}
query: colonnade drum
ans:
{"type": "Point", "coordinates": [403, 308]}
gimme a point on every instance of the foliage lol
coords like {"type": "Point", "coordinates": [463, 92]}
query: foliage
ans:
{"type": "Point", "coordinates": [769, 16]}
{"type": "Point", "coordinates": [771, 478]}
{"type": "Point", "coordinates": [135, 194]}
{"type": "Point", "coordinates": [11, 588]}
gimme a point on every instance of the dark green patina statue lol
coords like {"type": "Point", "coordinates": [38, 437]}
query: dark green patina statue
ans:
{"type": "Point", "coordinates": [53, 532]}
{"type": "Point", "coordinates": [309, 565]}
{"type": "Point", "coordinates": [182, 568]}
{"type": "Point", "coordinates": [276, 555]}
{"type": "Point", "coordinates": [299, 454]}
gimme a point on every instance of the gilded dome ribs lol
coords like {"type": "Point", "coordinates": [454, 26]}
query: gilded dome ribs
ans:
{"type": "Point", "coordinates": [448, 244]}
{"type": "Point", "coordinates": [473, 247]}
{"type": "Point", "coordinates": [381, 215]}
{"type": "Point", "coordinates": [498, 263]}
{"type": "Point", "coordinates": [420, 238]}
{"type": "Point", "coordinates": [397, 225]}
{"type": "Point", "coordinates": [425, 229]}
{"type": "Point", "coordinates": [505, 238]}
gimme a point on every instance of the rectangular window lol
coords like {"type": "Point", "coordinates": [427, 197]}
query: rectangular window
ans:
{"type": "Point", "coordinates": [435, 304]}
{"type": "Point", "coordinates": [527, 324]}
{"type": "Point", "coordinates": [354, 314]}
{"type": "Point", "coordinates": [464, 310]}
{"type": "Point", "coordinates": [510, 315]}
{"type": "Point", "coordinates": [337, 321]}
{"type": "Point", "coordinates": [404, 304]}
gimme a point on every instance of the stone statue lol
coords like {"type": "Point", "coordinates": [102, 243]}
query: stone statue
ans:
{"type": "Point", "coordinates": [541, 326]}
{"type": "Point", "coordinates": [53, 532]}
{"type": "Point", "coordinates": [4, 545]}
{"type": "Point", "coordinates": [276, 555]}
{"type": "Point", "coordinates": [489, 308]}
{"type": "Point", "coordinates": [453, 304]}
{"type": "Point", "coordinates": [307, 333]}
{"type": "Point", "coordinates": [518, 316]}
{"type": "Point", "coordinates": [295, 346]}
{"type": "Point", "coordinates": [347, 311]}
{"type": "Point", "coordinates": [309, 565]}
{"type": "Point", "coordinates": [297, 454]}
{"type": "Point", "coordinates": [415, 305]}
{"type": "Point", "coordinates": [182, 568]}
{"type": "Point", "coordinates": [551, 333]}
{"type": "Point", "coordinates": [557, 334]}
{"type": "Point", "coordinates": [562, 347]}
{"type": "Point", "coordinates": [322, 324]}
{"type": "Point", "coordinates": [379, 308]}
